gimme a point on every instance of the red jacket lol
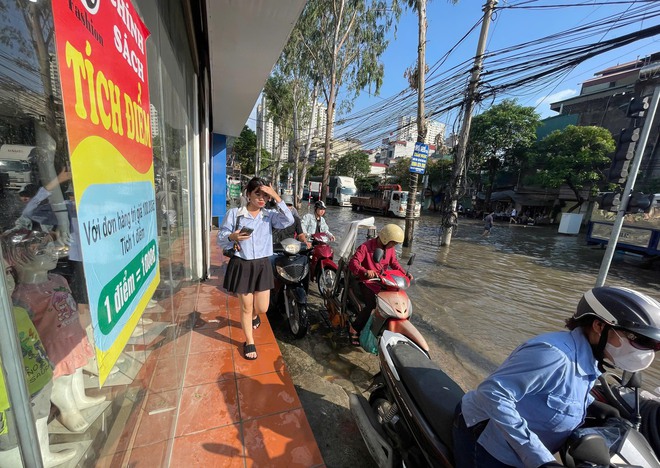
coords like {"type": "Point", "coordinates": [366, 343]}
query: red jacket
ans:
{"type": "Point", "coordinates": [363, 260]}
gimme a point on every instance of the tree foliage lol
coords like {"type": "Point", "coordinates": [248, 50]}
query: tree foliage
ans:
{"type": "Point", "coordinates": [344, 40]}
{"type": "Point", "coordinates": [354, 164]}
{"type": "Point", "coordinates": [575, 156]}
{"type": "Point", "coordinates": [399, 172]}
{"type": "Point", "coordinates": [245, 149]}
{"type": "Point", "coordinates": [499, 137]}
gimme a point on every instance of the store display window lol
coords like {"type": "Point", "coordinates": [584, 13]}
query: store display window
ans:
{"type": "Point", "coordinates": [96, 229]}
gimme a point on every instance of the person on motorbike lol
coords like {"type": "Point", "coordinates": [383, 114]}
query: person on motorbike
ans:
{"type": "Point", "coordinates": [314, 223]}
{"type": "Point", "coordinates": [526, 410]}
{"type": "Point", "coordinates": [295, 230]}
{"type": "Point", "coordinates": [363, 267]}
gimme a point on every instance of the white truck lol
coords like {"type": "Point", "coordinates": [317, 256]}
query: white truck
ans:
{"type": "Point", "coordinates": [388, 200]}
{"type": "Point", "coordinates": [340, 190]}
{"type": "Point", "coordinates": [15, 162]}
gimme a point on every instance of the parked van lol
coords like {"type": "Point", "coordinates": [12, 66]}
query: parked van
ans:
{"type": "Point", "coordinates": [15, 162]}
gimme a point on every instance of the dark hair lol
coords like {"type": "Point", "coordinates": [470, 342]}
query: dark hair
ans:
{"type": "Point", "coordinates": [254, 184]}
{"type": "Point", "coordinates": [580, 322]}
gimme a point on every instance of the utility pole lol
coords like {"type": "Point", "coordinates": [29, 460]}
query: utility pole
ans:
{"type": "Point", "coordinates": [449, 219]}
{"type": "Point", "coordinates": [421, 121]}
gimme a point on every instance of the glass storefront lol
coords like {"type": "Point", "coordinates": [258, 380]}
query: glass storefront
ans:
{"type": "Point", "coordinates": [87, 404]}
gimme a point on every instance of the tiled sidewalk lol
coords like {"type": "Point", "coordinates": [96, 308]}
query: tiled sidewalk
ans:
{"type": "Point", "coordinates": [230, 412]}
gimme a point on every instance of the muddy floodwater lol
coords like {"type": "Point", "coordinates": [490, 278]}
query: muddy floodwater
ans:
{"type": "Point", "coordinates": [477, 299]}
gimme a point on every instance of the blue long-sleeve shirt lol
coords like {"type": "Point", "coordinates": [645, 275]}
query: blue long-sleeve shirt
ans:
{"type": "Point", "coordinates": [260, 243]}
{"type": "Point", "coordinates": [535, 399]}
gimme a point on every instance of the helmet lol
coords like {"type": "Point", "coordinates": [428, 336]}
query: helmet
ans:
{"type": "Point", "coordinates": [319, 205]}
{"type": "Point", "coordinates": [288, 199]}
{"type": "Point", "coordinates": [622, 308]}
{"type": "Point", "coordinates": [389, 233]}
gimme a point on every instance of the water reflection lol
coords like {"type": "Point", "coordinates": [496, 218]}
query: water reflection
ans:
{"type": "Point", "coordinates": [478, 299]}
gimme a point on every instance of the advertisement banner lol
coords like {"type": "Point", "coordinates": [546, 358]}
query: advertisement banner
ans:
{"type": "Point", "coordinates": [101, 51]}
{"type": "Point", "coordinates": [418, 161]}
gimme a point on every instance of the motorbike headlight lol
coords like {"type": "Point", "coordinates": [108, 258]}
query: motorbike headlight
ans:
{"type": "Point", "coordinates": [291, 273]}
{"type": "Point", "coordinates": [389, 282]}
{"type": "Point", "coordinates": [291, 246]}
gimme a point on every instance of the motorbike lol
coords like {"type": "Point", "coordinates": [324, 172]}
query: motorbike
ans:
{"type": "Point", "coordinates": [393, 309]}
{"type": "Point", "coordinates": [323, 269]}
{"type": "Point", "coordinates": [289, 295]}
{"type": "Point", "coordinates": [408, 417]}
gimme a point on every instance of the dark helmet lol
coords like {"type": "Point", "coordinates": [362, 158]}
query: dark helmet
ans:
{"type": "Point", "coordinates": [622, 308]}
{"type": "Point", "coordinates": [319, 205]}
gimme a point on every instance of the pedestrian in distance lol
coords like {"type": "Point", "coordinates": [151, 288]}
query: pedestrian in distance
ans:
{"type": "Point", "coordinates": [488, 224]}
{"type": "Point", "coordinates": [512, 219]}
{"type": "Point", "coordinates": [249, 232]}
{"type": "Point", "coordinates": [526, 410]}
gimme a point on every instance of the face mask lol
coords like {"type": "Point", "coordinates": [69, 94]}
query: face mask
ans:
{"type": "Point", "coordinates": [629, 358]}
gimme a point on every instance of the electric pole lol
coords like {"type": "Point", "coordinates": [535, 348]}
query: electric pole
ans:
{"type": "Point", "coordinates": [421, 121]}
{"type": "Point", "coordinates": [456, 183]}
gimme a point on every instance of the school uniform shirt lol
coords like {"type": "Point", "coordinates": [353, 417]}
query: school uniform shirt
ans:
{"type": "Point", "coordinates": [535, 399]}
{"type": "Point", "coordinates": [260, 243]}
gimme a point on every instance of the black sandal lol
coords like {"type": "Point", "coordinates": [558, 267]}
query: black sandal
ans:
{"type": "Point", "coordinates": [256, 323]}
{"type": "Point", "coordinates": [247, 349]}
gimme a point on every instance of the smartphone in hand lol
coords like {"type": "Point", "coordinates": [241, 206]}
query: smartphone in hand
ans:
{"type": "Point", "coordinates": [246, 230]}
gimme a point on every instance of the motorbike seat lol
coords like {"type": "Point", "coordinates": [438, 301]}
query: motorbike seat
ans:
{"type": "Point", "coordinates": [435, 394]}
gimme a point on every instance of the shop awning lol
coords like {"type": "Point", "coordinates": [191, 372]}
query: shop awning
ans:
{"type": "Point", "coordinates": [525, 199]}
{"type": "Point", "coordinates": [246, 38]}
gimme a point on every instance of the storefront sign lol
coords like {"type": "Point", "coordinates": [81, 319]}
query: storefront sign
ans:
{"type": "Point", "coordinates": [418, 161]}
{"type": "Point", "coordinates": [101, 50]}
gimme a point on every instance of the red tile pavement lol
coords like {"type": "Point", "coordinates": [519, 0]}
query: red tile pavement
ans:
{"type": "Point", "coordinates": [206, 405]}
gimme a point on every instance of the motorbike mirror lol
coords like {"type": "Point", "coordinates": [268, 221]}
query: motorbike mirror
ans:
{"type": "Point", "coordinates": [411, 259]}
{"type": "Point", "coordinates": [631, 379]}
{"type": "Point", "coordinates": [590, 448]}
{"type": "Point", "coordinates": [378, 255]}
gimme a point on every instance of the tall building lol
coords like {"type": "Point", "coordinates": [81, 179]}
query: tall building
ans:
{"type": "Point", "coordinates": [407, 130]}
{"type": "Point", "coordinates": [267, 132]}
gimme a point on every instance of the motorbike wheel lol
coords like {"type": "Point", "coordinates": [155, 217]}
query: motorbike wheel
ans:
{"type": "Point", "coordinates": [296, 315]}
{"type": "Point", "coordinates": [325, 280]}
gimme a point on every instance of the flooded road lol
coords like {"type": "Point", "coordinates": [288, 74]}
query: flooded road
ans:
{"type": "Point", "coordinates": [474, 302]}
{"type": "Point", "coordinates": [478, 299]}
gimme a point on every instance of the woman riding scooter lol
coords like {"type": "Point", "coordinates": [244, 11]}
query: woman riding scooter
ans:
{"type": "Point", "coordinates": [526, 410]}
{"type": "Point", "coordinates": [362, 265]}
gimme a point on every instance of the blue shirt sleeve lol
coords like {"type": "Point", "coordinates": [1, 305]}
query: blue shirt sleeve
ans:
{"type": "Point", "coordinates": [226, 228]}
{"type": "Point", "coordinates": [531, 369]}
{"type": "Point", "coordinates": [282, 217]}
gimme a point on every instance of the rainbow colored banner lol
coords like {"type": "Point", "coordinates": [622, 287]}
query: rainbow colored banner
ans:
{"type": "Point", "coordinates": [101, 49]}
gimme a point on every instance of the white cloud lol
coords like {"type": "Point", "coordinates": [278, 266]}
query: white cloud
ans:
{"type": "Point", "coordinates": [543, 103]}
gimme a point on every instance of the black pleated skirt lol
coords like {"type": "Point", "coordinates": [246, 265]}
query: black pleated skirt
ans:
{"type": "Point", "coordinates": [248, 276]}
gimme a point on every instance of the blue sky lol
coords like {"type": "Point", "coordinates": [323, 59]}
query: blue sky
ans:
{"type": "Point", "coordinates": [447, 23]}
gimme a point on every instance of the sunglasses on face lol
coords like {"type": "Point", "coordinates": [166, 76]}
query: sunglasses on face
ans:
{"type": "Point", "coordinates": [639, 341]}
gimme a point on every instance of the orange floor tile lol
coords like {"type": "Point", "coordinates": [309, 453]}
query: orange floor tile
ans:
{"type": "Point", "coordinates": [206, 405]}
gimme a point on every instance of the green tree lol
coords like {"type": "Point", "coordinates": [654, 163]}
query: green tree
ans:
{"type": "Point", "coordinates": [353, 164]}
{"type": "Point", "coordinates": [345, 40]}
{"type": "Point", "coordinates": [367, 183]}
{"type": "Point", "coordinates": [575, 156]}
{"type": "Point", "coordinates": [399, 172]}
{"type": "Point", "coordinates": [279, 101]}
{"type": "Point", "coordinates": [499, 137]}
{"type": "Point", "coordinates": [317, 168]}
{"type": "Point", "coordinates": [245, 148]}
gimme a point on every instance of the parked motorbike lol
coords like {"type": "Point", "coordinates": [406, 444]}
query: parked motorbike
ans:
{"type": "Point", "coordinates": [394, 308]}
{"type": "Point", "coordinates": [291, 271]}
{"type": "Point", "coordinates": [408, 418]}
{"type": "Point", "coordinates": [323, 269]}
